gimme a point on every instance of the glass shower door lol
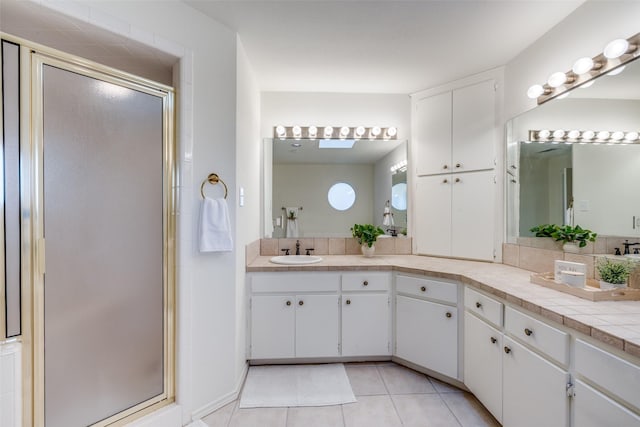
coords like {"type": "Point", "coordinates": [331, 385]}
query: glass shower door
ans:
{"type": "Point", "coordinates": [102, 342]}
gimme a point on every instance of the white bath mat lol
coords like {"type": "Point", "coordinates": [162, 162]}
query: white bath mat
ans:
{"type": "Point", "coordinates": [296, 385]}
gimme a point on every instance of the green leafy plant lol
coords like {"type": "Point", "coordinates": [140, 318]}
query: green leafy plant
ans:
{"type": "Point", "coordinates": [544, 230]}
{"type": "Point", "coordinates": [616, 272]}
{"type": "Point", "coordinates": [367, 234]}
{"type": "Point", "coordinates": [577, 234]}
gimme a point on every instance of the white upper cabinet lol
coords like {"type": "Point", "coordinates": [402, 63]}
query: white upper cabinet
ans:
{"type": "Point", "coordinates": [455, 131]}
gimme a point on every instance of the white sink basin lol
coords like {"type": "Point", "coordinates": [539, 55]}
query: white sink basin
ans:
{"type": "Point", "coordinates": [295, 259]}
{"type": "Point", "coordinates": [633, 256]}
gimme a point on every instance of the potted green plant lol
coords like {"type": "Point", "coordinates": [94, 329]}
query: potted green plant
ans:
{"type": "Point", "coordinates": [367, 234]}
{"type": "Point", "coordinates": [573, 238]}
{"type": "Point", "coordinates": [614, 273]}
{"type": "Point", "coordinates": [544, 230]}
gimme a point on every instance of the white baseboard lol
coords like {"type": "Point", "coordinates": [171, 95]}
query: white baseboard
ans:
{"type": "Point", "coordinates": [219, 403]}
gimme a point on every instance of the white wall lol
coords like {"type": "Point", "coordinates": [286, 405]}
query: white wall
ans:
{"type": "Point", "coordinates": [207, 360]}
{"type": "Point", "coordinates": [307, 185]}
{"type": "Point", "coordinates": [248, 177]}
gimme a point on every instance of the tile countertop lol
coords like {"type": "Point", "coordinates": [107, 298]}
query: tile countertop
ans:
{"type": "Point", "coordinates": [616, 323]}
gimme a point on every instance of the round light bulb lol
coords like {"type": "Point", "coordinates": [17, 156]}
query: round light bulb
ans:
{"type": "Point", "coordinates": [535, 91]}
{"type": "Point", "coordinates": [391, 132]}
{"type": "Point", "coordinates": [281, 131]}
{"type": "Point", "coordinates": [544, 134]}
{"type": "Point", "coordinates": [328, 131]}
{"type": "Point", "coordinates": [574, 134]}
{"type": "Point", "coordinates": [617, 136]}
{"type": "Point", "coordinates": [557, 79]}
{"type": "Point", "coordinates": [604, 135]}
{"type": "Point", "coordinates": [583, 66]}
{"type": "Point", "coordinates": [558, 134]}
{"type": "Point", "coordinates": [616, 71]}
{"type": "Point", "coordinates": [588, 135]}
{"type": "Point", "coordinates": [344, 131]}
{"type": "Point", "coordinates": [587, 84]}
{"type": "Point", "coordinates": [616, 48]}
{"type": "Point", "coordinates": [312, 131]}
{"type": "Point", "coordinates": [631, 136]}
{"type": "Point", "coordinates": [375, 131]}
{"type": "Point", "coordinates": [360, 131]}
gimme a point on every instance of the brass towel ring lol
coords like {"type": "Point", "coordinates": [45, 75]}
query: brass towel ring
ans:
{"type": "Point", "coordinates": [213, 179]}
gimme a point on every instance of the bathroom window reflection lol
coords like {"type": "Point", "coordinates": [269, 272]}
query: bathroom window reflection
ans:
{"type": "Point", "coordinates": [341, 196]}
{"type": "Point", "coordinates": [399, 196]}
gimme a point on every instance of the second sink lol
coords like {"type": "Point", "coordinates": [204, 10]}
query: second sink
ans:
{"type": "Point", "coordinates": [296, 259]}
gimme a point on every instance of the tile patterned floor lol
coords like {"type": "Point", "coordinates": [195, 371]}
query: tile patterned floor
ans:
{"type": "Point", "coordinates": [389, 395]}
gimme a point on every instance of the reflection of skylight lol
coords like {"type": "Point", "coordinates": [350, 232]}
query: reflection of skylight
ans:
{"type": "Point", "coordinates": [336, 143]}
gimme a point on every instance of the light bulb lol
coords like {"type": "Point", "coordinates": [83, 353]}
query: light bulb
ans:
{"type": "Point", "coordinates": [574, 134]}
{"type": "Point", "coordinates": [616, 71]}
{"type": "Point", "coordinates": [359, 131]}
{"type": "Point", "coordinates": [544, 134]}
{"type": "Point", "coordinates": [312, 131]}
{"type": "Point", "coordinates": [587, 84]}
{"type": "Point", "coordinates": [583, 66]}
{"type": "Point", "coordinates": [604, 135]}
{"type": "Point", "coordinates": [391, 132]}
{"type": "Point", "coordinates": [558, 134]}
{"type": "Point", "coordinates": [297, 132]}
{"type": "Point", "coordinates": [344, 131]}
{"type": "Point", "coordinates": [616, 48]}
{"type": "Point", "coordinates": [557, 79]}
{"type": "Point", "coordinates": [281, 131]}
{"type": "Point", "coordinates": [328, 131]}
{"type": "Point", "coordinates": [535, 91]}
{"type": "Point", "coordinates": [588, 135]}
{"type": "Point", "coordinates": [375, 131]}
{"type": "Point", "coordinates": [631, 136]}
{"type": "Point", "coordinates": [617, 136]}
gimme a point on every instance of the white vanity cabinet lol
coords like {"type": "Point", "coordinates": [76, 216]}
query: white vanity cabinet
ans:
{"type": "Point", "coordinates": [455, 131]}
{"type": "Point", "coordinates": [457, 215]}
{"type": "Point", "coordinates": [365, 309]}
{"type": "Point", "coordinates": [294, 315]}
{"type": "Point", "coordinates": [427, 323]}
{"type": "Point", "coordinates": [594, 409]}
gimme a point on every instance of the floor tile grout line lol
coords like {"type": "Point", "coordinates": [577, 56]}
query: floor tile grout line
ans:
{"type": "Point", "coordinates": [452, 413]}
{"type": "Point", "coordinates": [393, 403]}
{"type": "Point", "coordinates": [344, 421]}
{"type": "Point", "coordinates": [383, 381]}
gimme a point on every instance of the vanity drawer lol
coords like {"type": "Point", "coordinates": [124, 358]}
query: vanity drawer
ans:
{"type": "Point", "coordinates": [485, 307]}
{"type": "Point", "coordinates": [366, 281]}
{"type": "Point", "coordinates": [609, 372]}
{"type": "Point", "coordinates": [539, 335]}
{"type": "Point", "coordinates": [427, 288]}
{"type": "Point", "coordinates": [295, 282]}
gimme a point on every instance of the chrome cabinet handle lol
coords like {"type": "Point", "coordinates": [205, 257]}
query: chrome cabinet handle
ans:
{"type": "Point", "coordinates": [288, 302]}
{"type": "Point", "coordinates": [348, 301]}
{"type": "Point", "coordinates": [507, 349]}
{"type": "Point", "coordinates": [423, 288]}
{"type": "Point", "coordinates": [300, 302]}
{"type": "Point", "coordinates": [365, 283]}
{"type": "Point", "coordinates": [528, 332]}
{"type": "Point", "coordinates": [493, 340]}
{"type": "Point", "coordinates": [448, 314]}
{"type": "Point", "coordinates": [478, 305]}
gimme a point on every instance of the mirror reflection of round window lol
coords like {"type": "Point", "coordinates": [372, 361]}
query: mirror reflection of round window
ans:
{"type": "Point", "coordinates": [399, 196]}
{"type": "Point", "coordinates": [341, 196]}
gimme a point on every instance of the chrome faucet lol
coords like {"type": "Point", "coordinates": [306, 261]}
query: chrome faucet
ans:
{"type": "Point", "coordinates": [297, 247]}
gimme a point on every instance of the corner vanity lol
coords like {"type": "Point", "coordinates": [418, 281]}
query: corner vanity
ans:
{"type": "Point", "coordinates": [533, 356]}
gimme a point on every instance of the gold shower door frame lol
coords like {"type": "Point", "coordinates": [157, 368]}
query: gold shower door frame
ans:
{"type": "Point", "coordinates": [33, 59]}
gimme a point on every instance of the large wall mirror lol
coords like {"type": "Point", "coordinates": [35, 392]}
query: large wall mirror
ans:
{"type": "Point", "coordinates": [298, 175]}
{"type": "Point", "coordinates": [565, 180]}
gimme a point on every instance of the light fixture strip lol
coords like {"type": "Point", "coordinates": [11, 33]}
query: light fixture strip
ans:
{"type": "Point", "coordinates": [559, 82]}
{"type": "Point", "coordinates": [584, 137]}
{"type": "Point", "coordinates": [335, 132]}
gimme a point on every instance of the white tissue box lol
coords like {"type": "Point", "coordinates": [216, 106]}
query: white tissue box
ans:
{"type": "Point", "coordinates": [573, 278]}
{"type": "Point", "coordinates": [561, 266]}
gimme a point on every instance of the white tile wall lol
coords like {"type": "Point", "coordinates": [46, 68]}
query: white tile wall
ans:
{"type": "Point", "coordinates": [10, 385]}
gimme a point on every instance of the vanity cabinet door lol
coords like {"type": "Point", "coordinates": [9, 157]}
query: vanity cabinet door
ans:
{"type": "Point", "coordinates": [365, 325]}
{"type": "Point", "coordinates": [427, 334]}
{"type": "Point", "coordinates": [483, 363]}
{"type": "Point", "coordinates": [432, 133]}
{"type": "Point", "coordinates": [534, 390]}
{"type": "Point", "coordinates": [433, 215]}
{"type": "Point", "coordinates": [272, 326]}
{"type": "Point", "coordinates": [593, 409]}
{"type": "Point", "coordinates": [316, 330]}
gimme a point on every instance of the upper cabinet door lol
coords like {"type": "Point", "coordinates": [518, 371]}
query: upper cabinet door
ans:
{"type": "Point", "coordinates": [474, 127]}
{"type": "Point", "coordinates": [432, 133]}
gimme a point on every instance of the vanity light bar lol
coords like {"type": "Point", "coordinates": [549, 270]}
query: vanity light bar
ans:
{"type": "Point", "coordinates": [335, 132]}
{"type": "Point", "coordinates": [398, 166]}
{"type": "Point", "coordinates": [583, 137]}
{"type": "Point", "coordinates": [611, 61]}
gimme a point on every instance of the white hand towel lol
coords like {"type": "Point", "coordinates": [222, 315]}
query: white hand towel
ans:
{"type": "Point", "coordinates": [215, 227]}
{"type": "Point", "coordinates": [292, 228]}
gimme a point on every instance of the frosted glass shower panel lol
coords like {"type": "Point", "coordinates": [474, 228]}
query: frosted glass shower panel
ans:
{"type": "Point", "coordinates": [10, 164]}
{"type": "Point", "coordinates": [103, 226]}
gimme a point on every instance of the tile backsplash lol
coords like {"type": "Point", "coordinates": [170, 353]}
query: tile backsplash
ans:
{"type": "Point", "coordinates": [334, 246]}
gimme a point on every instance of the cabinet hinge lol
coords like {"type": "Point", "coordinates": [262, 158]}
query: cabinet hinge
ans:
{"type": "Point", "coordinates": [570, 390]}
{"type": "Point", "coordinates": [495, 254]}
{"type": "Point", "coordinates": [339, 349]}
{"type": "Point", "coordinates": [250, 302]}
{"type": "Point", "coordinates": [389, 346]}
{"type": "Point", "coordinates": [495, 179]}
{"type": "Point", "coordinates": [495, 87]}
